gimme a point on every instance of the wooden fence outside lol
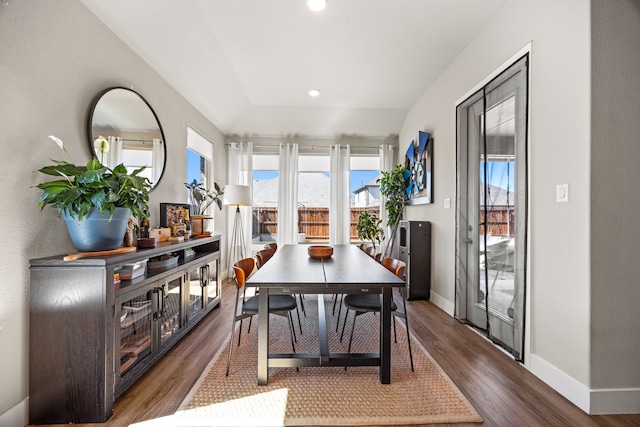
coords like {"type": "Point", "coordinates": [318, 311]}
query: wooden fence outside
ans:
{"type": "Point", "coordinates": [500, 221]}
{"type": "Point", "coordinates": [312, 222]}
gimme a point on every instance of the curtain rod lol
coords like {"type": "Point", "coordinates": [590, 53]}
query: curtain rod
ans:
{"type": "Point", "coordinates": [260, 144]}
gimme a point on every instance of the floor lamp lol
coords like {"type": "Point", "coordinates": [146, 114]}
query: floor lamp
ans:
{"type": "Point", "coordinates": [236, 195]}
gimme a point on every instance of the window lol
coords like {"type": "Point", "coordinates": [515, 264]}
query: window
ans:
{"type": "Point", "coordinates": [314, 186]}
{"type": "Point", "coordinates": [199, 159]}
{"type": "Point", "coordinates": [313, 195]}
{"type": "Point", "coordinates": [365, 189]}
{"type": "Point", "coordinates": [265, 198]}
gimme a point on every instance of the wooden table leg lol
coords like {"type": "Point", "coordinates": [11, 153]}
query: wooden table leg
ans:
{"type": "Point", "coordinates": [385, 336]}
{"type": "Point", "coordinates": [322, 331]}
{"type": "Point", "coordinates": [263, 336]}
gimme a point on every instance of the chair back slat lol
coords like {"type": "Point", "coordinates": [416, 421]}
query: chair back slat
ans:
{"type": "Point", "coordinates": [272, 246]}
{"type": "Point", "coordinates": [395, 266]}
{"type": "Point", "coordinates": [242, 269]}
{"type": "Point", "coordinates": [262, 256]}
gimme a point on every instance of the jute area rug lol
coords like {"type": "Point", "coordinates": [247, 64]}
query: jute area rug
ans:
{"type": "Point", "coordinates": [327, 396]}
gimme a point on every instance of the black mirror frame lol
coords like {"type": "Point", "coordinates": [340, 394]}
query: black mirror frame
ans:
{"type": "Point", "coordinates": [95, 102]}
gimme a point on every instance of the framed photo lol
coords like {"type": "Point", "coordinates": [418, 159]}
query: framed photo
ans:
{"type": "Point", "coordinates": [172, 213]}
{"type": "Point", "coordinates": [419, 162]}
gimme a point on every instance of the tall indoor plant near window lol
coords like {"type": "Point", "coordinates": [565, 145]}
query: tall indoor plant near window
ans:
{"type": "Point", "coordinates": [95, 201]}
{"type": "Point", "coordinates": [393, 186]}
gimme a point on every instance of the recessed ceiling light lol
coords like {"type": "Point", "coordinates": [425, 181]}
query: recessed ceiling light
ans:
{"type": "Point", "coordinates": [314, 93]}
{"type": "Point", "coordinates": [317, 5]}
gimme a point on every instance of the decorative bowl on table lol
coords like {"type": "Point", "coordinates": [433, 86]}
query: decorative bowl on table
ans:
{"type": "Point", "coordinates": [320, 251]}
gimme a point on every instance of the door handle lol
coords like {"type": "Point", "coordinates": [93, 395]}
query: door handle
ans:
{"type": "Point", "coordinates": [468, 240]}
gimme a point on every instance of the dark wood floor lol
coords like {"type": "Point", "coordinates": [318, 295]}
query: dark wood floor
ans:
{"type": "Point", "coordinates": [502, 391]}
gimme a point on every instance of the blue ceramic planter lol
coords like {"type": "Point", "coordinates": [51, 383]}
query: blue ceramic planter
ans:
{"type": "Point", "coordinates": [95, 232]}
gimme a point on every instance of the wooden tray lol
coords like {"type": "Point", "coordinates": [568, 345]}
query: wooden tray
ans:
{"type": "Point", "coordinates": [120, 250]}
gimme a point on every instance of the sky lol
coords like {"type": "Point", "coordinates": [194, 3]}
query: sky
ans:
{"type": "Point", "coordinates": [193, 166]}
{"type": "Point", "coordinates": [499, 174]}
{"type": "Point", "coordinates": [356, 178]}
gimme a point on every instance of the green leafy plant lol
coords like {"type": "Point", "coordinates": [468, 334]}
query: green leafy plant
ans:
{"type": "Point", "coordinates": [369, 228]}
{"type": "Point", "coordinates": [393, 187]}
{"type": "Point", "coordinates": [83, 188]}
{"type": "Point", "coordinates": [202, 198]}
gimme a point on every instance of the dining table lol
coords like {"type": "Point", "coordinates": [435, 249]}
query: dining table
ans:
{"type": "Point", "coordinates": [347, 271]}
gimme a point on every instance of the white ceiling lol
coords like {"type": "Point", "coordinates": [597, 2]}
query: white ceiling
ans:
{"type": "Point", "coordinates": [247, 65]}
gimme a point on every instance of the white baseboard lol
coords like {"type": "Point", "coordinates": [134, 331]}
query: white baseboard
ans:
{"type": "Point", "coordinates": [16, 416]}
{"type": "Point", "coordinates": [446, 305]}
{"type": "Point", "coordinates": [591, 401]}
{"type": "Point", "coordinates": [573, 390]}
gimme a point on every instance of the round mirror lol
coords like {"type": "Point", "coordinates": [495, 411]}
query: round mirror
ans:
{"type": "Point", "coordinates": [133, 132]}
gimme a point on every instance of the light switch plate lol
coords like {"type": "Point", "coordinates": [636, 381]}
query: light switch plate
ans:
{"type": "Point", "coordinates": [447, 203]}
{"type": "Point", "coordinates": [562, 193]}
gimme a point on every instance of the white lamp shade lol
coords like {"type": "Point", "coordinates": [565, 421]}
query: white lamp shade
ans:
{"type": "Point", "coordinates": [237, 195]}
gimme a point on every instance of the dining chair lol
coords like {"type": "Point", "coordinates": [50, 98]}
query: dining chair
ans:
{"type": "Point", "coordinates": [279, 304]}
{"type": "Point", "coordinates": [370, 303]}
{"type": "Point", "coordinates": [372, 252]}
{"type": "Point", "coordinates": [264, 255]}
{"type": "Point", "coordinates": [274, 247]}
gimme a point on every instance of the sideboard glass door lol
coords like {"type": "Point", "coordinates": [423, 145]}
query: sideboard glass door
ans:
{"type": "Point", "coordinates": [196, 287]}
{"type": "Point", "coordinates": [169, 316]}
{"type": "Point", "coordinates": [212, 291]}
{"type": "Point", "coordinates": [203, 288]}
{"type": "Point", "coordinates": [135, 314]}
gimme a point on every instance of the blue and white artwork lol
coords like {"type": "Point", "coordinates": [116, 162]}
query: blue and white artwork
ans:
{"type": "Point", "coordinates": [419, 164]}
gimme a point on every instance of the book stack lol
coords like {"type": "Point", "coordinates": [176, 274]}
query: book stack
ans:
{"type": "Point", "coordinates": [133, 270]}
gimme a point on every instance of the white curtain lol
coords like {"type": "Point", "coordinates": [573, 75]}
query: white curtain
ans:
{"type": "Point", "coordinates": [288, 195]}
{"type": "Point", "coordinates": [114, 156]}
{"type": "Point", "coordinates": [340, 206]}
{"type": "Point", "coordinates": [387, 155]}
{"type": "Point", "coordinates": [239, 170]}
{"type": "Point", "coordinates": [157, 160]}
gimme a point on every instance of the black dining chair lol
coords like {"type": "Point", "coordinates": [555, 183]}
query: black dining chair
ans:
{"type": "Point", "coordinates": [370, 303]}
{"type": "Point", "coordinates": [264, 255]}
{"type": "Point", "coordinates": [279, 304]}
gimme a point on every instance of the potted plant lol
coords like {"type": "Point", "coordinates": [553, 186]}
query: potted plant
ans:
{"type": "Point", "coordinates": [200, 199]}
{"type": "Point", "coordinates": [368, 228]}
{"type": "Point", "coordinates": [393, 186]}
{"type": "Point", "coordinates": [95, 201]}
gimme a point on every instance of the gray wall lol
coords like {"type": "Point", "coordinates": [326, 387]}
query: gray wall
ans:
{"type": "Point", "coordinates": [55, 56]}
{"type": "Point", "coordinates": [582, 335]}
{"type": "Point", "coordinates": [615, 198]}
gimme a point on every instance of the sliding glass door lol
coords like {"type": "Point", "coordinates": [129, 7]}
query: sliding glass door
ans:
{"type": "Point", "coordinates": [491, 224]}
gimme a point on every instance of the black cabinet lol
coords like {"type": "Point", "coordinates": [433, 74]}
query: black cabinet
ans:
{"type": "Point", "coordinates": [415, 250]}
{"type": "Point", "coordinates": [91, 337]}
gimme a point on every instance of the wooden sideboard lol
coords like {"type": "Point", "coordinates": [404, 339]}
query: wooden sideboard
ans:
{"type": "Point", "coordinates": [92, 336]}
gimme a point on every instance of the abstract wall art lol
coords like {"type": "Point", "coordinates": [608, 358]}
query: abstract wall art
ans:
{"type": "Point", "coordinates": [419, 163]}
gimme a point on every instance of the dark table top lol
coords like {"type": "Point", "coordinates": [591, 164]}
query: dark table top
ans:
{"type": "Point", "coordinates": [348, 267]}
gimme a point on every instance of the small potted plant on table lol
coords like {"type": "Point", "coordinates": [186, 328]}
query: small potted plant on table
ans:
{"type": "Point", "coordinates": [369, 229]}
{"type": "Point", "coordinates": [200, 199]}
